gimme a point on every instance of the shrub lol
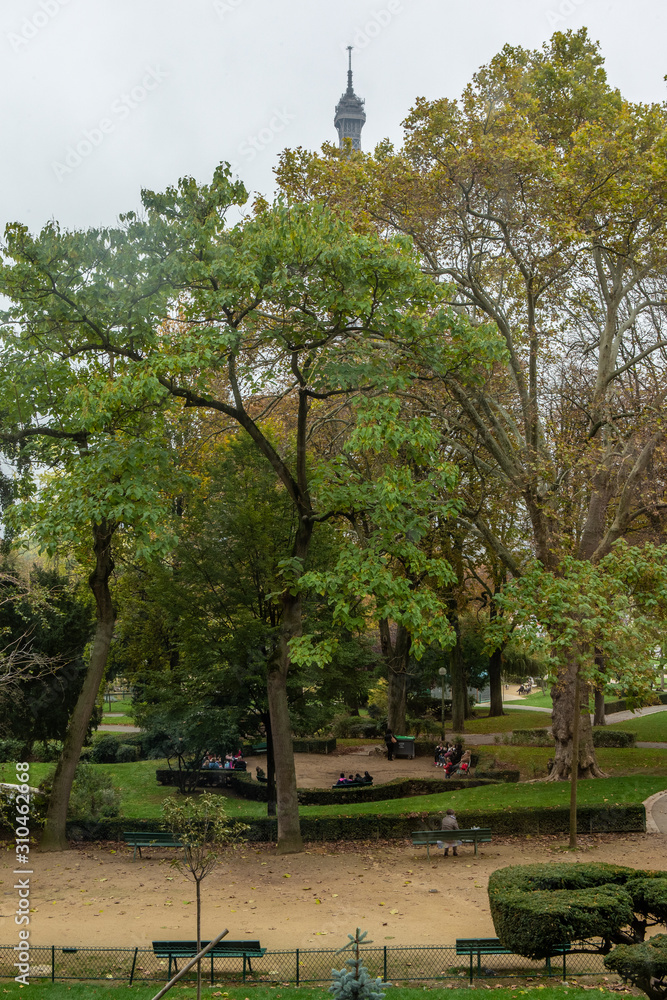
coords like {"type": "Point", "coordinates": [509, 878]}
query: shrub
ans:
{"type": "Point", "coordinates": [350, 726]}
{"type": "Point", "coordinates": [93, 795]}
{"type": "Point", "coordinates": [604, 737]}
{"type": "Point", "coordinates": [127, 753]}
{"type": "Point", "coordinates": [531, 738]}
{"type": "Point", "coordinates": [105, 749]}
{"type": "Point", "coordinates": [11, 750]}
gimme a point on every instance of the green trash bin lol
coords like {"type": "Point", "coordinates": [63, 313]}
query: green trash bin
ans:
{"type": "Point", "coordinates": [404, 746]}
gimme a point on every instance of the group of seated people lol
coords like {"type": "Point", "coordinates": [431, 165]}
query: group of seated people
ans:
{"type": "Point", "coordinates": [453, 759]}
{"type": "Point", "coordinates": [232, 761]}
{"type": "Point", "coordinates": [355, 779]}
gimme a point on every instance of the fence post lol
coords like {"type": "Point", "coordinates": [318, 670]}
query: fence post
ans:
{"type": "Point", "coordinates": [297, 966]}
{"type": "Point", "coordinates": [564, 970]}
{"type": "Point", "coordinates": [384, 977]}
{"type": "Point", "coordinates": [53, 963]}
{"type": "Point", "coordinates": [134, 962]}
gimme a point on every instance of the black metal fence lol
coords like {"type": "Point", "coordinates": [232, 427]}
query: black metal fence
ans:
{"type": "Point", "coordinates": [393, 964]}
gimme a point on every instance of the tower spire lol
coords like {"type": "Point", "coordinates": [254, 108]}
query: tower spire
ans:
{"type": "Point", "coordinates": [350, 116]}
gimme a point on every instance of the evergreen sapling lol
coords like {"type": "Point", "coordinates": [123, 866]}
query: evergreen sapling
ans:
{"type": "Point", "coordinates": [355, 982]}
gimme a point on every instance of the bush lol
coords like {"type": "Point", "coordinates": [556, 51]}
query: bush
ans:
{"type": "Point", "coordinates": [350, 726]}
{"type": "Point", "coordinates": [127, 753]}
{"type": "Point", "coordinates": [499, 774]}
{"type": "Point", "coordinates": [11, 750]}
{"type": "Point", "coordinates": [105, 749]}
{"type": "Point", "coordinates": [603, 737]}
{"type": "Point", "coordinates": [531, 738]}
{"type": "Point", "coordinates": [93, 795]}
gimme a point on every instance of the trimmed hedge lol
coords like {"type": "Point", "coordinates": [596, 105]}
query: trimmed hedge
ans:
{"type": "Point", "coordinates": [499, 774]}
{"type": "Point", "coordinates": [603, 737]}
{"type": "Point", "coordinates": [531, 738]}
{"type": "Point", "coordinates": [645, 964]}
{"type": "Point", "coordinates": [537, 907]}
{"type": "Point", "coordinates": [604, 819]}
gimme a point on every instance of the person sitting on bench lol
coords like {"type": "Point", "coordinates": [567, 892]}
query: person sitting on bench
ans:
{"type": "Point", "coordinates": [449, 823]}
{"type": "Point", "coordinates": [342, 780]}
{"type": "Point", "coordinates": [368, 778]}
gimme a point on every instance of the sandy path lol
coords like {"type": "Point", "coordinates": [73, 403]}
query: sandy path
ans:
{"type": "Point", "coordinates": [96, 895]}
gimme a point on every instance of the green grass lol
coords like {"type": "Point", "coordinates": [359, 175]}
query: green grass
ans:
{"type": "Point", "coordinates": [121, 720]}
{"type": "Point", "coordinates": [143, 797]}
{"type": "Point", "coordinates": [80, 991]}
{"type": "Point", "coordinates": [538, 699]}
{"type": "Point", "coordinates": [649, 728]}
{"type": "Point", "coordinates": [513, 719]}
{"type": "Point", "coordinates": [125, 706]}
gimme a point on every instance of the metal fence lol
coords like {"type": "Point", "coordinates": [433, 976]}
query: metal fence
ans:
{"type": "Point", "coordinates": [393, 964]}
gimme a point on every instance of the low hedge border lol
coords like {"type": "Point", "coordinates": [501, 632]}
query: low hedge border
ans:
{"type": "Point", "coordinates": [603, 737]}
{"type": "Point", "coordinates": [247, 788]}
{"type": "Point", "coordinates": [508, 822]}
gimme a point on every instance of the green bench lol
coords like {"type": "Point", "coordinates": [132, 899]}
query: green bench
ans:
{"type": "Point", "coordinates": [492, 946]}
{"type": "Point", "coordinates": [421, 838]}
{"type": "Point", "coordinates": [173, 950]}
{"type": "Point", "coordinates": [149, 838]}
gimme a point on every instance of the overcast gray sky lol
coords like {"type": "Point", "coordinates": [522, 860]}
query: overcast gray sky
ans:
{"type": "Point", "coordinates": [102, 97]}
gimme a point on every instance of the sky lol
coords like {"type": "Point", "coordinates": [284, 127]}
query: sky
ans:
{"type": "Point", "coordinates": [104, 97]}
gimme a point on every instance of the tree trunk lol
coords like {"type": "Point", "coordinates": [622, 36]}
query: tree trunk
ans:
{"type": "Point", "coordinates": [54, 837]}
{"type": "Point", "coordinates": [599, 718]}
{"type": "Point", "coordinates": [459, 690]}
{"type": "Point", "coordinates": [198, 882]}
{"type": "Point", "coordinates": [496, 683]}
{"type": "Point", "coordinates": [396, 655]}
{"type": "Point", "coordinates": [562, 696]}
{"type": "Point", "coordinates": [287, 810]}
{"type": "Point", "coordinates": [574, 771]}
{"type": "Point", "coordinates": [270, 769]}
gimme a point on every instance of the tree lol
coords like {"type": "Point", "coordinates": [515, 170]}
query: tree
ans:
{"type": "Point", "coordinates": [46, 624]}
{"type": "Point", "coordinates": [355, 982]}
{"type": "Point", "coordinates": [290, 308]}
{"type": "Point", "coordinates": [541, 196]}
{"type": "Point", "coordinates": [201, 825]}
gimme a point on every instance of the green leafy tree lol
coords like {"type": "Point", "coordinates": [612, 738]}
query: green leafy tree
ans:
{"type": "Point", "coordinates": [540, 195]}
{"type": "Point", "coordinates": [291, 308]}
{"type": "Point", "coordinates": [202, 826]}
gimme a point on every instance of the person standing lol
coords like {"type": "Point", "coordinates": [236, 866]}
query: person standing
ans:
{"type": "Point", "coordinates": [390, 740]}
{"type": "Point", "coordinates": [449, 822]}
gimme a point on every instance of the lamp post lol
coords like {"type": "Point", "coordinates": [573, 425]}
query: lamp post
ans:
{"type": "Point", "coordinates": [442, 673]}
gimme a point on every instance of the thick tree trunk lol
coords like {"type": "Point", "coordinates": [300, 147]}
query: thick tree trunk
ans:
{"type": "Point", "coordinates": [396, 655]}
{"type": "Point", "coordinates": [496, 683]}
{"type": "Point", "coordinates": [562, 696]}
{"type": "Point", "coordinates": [459, 690]}
{"type": "Point", "coordinates": [287, 810]}
{"type": "Point", "coordinates": [54, 837]}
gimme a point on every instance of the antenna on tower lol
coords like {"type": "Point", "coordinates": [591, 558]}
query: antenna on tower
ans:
{"type": "Point", "coordinates": [349, 70]}
{"type": "Point", "coordinates": [350, 115]}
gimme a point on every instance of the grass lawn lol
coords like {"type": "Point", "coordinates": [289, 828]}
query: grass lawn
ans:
{"type": "Point", "coordinates": [514, 719]}
{"type": "Point", "coordinates": [124, 705]}
{"type": "Point", "coordinates": [649, 728]}
{"type": "Point", "coordinates": [538, 699]}
{"type": "Point", "coordinates": [532, 761]}
{"type": "Point", "coordinates": [80, 991]}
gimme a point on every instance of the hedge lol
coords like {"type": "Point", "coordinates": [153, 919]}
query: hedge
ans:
{"type": "Point", "coordinates": [531, 738]}
{"type": "Point", "coordinates": [604, 819]}
{"type": "Point", "coordinates": [499, 774]}
{"type": "Point", "coordinates": [537, 907]}
{"type": "Point", "coordinates": [244, 785]}
{"type": "Point", "coordinates": [604, 737]}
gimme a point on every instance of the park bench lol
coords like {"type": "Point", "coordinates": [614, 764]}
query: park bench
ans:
{"type": "Point", "coordinates": [173, 950]}
{"type": "Point", "coordinates": [149, 838]}
{"type": "Point", "coordinates": [421, 838]}
{"type": "Point", "coordinates": [492, 946]}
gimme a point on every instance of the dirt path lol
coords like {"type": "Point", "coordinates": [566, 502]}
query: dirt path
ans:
{"type": "Point", "coordinates": [98, 896]}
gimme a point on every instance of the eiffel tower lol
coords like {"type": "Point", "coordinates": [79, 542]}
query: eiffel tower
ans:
{"type": "Point", "coordinates": [350, 115]}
